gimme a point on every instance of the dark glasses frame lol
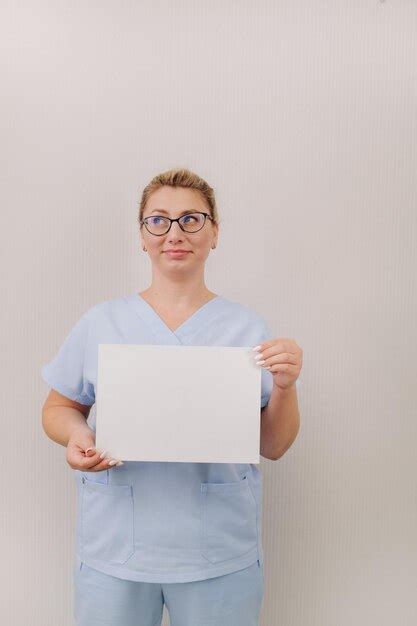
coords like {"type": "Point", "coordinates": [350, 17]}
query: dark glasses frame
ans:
{"type": "Point", "coordinates": [178, 219]}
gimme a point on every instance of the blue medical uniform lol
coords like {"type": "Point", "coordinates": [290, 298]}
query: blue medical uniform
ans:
{"type": "Point", "coordinates": [163, 522]}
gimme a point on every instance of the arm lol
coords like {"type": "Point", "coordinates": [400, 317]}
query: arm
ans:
{"type": "Point", "coordinates": [61, 416]}
{"type": "Point", "coordinates": [65, 421]}
{"type": "Point", "coordinates": [280, 422]}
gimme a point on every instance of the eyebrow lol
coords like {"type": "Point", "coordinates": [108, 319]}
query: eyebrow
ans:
{"type": "Point", "coordinates": [163, 211]}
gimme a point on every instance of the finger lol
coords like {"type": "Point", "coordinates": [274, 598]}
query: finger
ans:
{"type": "Point", "coordinates": [84, 452]}
{"type": "Point", "coordinates": [100, 452]}
{"type": "Point", "coordinates": [282, 344]}
{"type": "Point", "coordinates": [105, 463]}
{"type": "Point", "coordinates": [285, 368]}
{"type": "Point", "coordinates": [268, 357]}
{"type": "Point", "coordinates": [95, 460]}
{"type": "Point", "coordinates": [278, 359]}
{"type": "Point", "coordinates": [94, 456]}
{"type": "Point", "coordinates": [79, 458]}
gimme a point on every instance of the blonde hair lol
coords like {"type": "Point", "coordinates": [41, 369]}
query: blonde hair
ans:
{"type": "Point", "coordinates": [180, 178]}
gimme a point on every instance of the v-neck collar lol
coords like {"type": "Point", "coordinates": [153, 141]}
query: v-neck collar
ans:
{"type": "Point", "coordinates": [163, 333]}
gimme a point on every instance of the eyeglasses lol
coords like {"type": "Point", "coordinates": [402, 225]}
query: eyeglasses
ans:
{"type": "Point", "coordinates": [189, 223]}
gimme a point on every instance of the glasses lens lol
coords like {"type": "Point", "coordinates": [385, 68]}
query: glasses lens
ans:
{"type": "Point", "coordinates": [157, 225]}
{"type": "Point", "coordinates": [192, 222]}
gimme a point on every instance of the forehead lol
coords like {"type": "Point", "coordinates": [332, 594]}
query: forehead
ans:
{"type": "Point", "coordinates": [175, 200]}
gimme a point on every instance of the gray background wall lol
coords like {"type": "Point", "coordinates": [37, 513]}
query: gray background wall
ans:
{"type": "Point", "coordinates": [302, 115]}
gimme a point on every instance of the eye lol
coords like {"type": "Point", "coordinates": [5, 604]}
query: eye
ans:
{"type": "Point", "coordinates": [191, 218]}
{"type": "Point", "coordinates": [154, 220]}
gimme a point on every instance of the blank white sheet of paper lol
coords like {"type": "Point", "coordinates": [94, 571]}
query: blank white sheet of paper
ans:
{"type": "Point", "coordinates": [198, 404]}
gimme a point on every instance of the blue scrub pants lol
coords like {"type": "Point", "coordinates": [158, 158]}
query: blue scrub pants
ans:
{"type": "Point", "coordinates": [231, 600]}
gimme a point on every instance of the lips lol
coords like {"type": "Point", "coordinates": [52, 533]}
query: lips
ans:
{"type": "Point", "coordinates": [176, 253]}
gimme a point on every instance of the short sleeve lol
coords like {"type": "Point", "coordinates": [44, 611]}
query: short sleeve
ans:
{"type": "Point", "coordinates": [66, 372]}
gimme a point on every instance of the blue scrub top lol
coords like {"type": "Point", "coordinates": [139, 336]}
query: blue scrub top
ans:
{"type": "Point", "coordinates": [162, 521]}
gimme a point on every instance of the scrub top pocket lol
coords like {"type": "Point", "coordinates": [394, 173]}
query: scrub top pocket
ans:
{"type": "Point", "coordinates": [107, 522]}
{"type": "Point", "coordinates": [229, 521]}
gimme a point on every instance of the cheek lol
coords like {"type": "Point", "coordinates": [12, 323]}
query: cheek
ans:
{"type": "Point", "coordinates": [154, 249]}
{"type": "Point", "coordinates": [154, 243]}
{"type": "Point", "coordinates": [202, 243]}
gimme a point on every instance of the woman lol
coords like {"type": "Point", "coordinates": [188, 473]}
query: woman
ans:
{"type": "Point", "coordinates": [187, 535]}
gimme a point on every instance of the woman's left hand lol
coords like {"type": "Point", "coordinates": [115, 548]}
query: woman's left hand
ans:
{"type": "Point", "coordinates": [283, 358]}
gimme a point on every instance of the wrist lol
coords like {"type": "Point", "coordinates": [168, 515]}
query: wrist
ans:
{"type": "Point", "coordinates": [80, 428]}
{"type": "Point", "coordinates": [285, 390]}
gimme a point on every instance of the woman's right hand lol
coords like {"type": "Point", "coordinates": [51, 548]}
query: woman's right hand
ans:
{"type": "Point", "coordinates": [82, 453]}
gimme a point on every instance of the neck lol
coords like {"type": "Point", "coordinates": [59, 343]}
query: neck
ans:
{"type": "Point", "coordinates": [177, 296]}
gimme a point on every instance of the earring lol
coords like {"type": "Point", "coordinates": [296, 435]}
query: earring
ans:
{"type": "Point", "coordinates": [213, 247]}
{"type": "Point", "coordinates": [144, 249]}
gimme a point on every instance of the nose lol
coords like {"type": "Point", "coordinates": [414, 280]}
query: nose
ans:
{"type": "Point", "coordinates": [175, 232]}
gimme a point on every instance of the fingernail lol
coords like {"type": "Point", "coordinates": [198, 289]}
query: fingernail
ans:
{"type": "Point", "coordinates": [112, 462]}
{"type": "Point", "coordinates": [256, 348]}
{"type": "Point", "coordinates": [103, 454]}
{"type": "Point", "coordinates": [258, 356]}
{"type": "Point", "coordinates": [119, 463]}
{"type": "Point", "coordinates": [88, 450]}
{"type": "Point", "coordinates": [259, 362]}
